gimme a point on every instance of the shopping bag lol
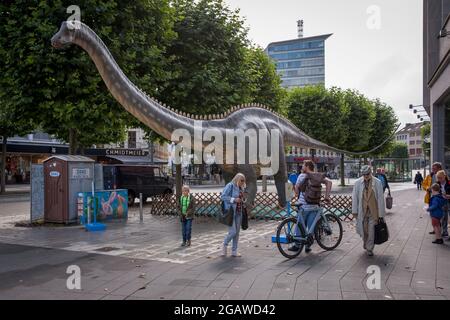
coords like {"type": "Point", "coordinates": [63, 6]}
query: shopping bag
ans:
{"type": "Point", "coordinates": [389, 201]}
{"type": "Point", "coordinates": [381, 232]}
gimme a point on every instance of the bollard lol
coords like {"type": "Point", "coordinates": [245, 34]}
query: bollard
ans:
{"type": "Point", "coordinates": [141, 213]}
{"type": "Point", "coordinates": [88, 211]}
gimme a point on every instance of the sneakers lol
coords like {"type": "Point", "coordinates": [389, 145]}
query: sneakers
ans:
{"type": "Point", "coordinates": [431, 232]}
{"type": "Point", "coordinates": [308, 249]}
{"type": "Point", "coordinates": [236, 254]}
{"type": "Point", "coordinates": [183, 244]}
{"type": "Point", "coordinates": [438, 241]}
{"type": "Point", "coordinates": [370, 253]}
{"type": "Point", "coordinates": [294, 248]}
{"type": "Point", "coordinates": [224, 251]}
{"type": "Point", "coordinates": [188, 243]}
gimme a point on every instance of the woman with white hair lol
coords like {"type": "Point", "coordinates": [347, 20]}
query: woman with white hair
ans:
{"type": "Point", "coordinates": [233, 196]}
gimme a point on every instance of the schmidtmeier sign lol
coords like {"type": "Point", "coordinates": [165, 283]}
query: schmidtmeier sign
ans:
{"type": "Point", "coordinates": [126, 152]}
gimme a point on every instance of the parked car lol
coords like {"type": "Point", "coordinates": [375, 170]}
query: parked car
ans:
{"type": "Point", "coordinates": [148, 180]}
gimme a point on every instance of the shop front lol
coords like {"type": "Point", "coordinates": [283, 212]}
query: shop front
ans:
{"type": "Point", "coordinates": [323, 164]}
{"type": "Point", "coordinates": [20, 157]}
{"type": "Point", "coordinates": [398, 170]}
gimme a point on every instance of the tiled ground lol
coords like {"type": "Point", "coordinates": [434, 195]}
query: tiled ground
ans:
{"type": "Point", "coordinates": [146, 262]}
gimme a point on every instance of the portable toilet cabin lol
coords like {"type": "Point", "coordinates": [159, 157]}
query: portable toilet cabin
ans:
{"type": "Point", "coordinates": [64, 177]}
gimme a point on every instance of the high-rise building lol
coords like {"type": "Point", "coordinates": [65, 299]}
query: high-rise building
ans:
{"type": "Point", "coordinates": [300, 62]}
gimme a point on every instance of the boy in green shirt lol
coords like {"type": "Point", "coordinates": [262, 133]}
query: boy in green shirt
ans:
{"type": "Point", "coordinates": [186, 207]}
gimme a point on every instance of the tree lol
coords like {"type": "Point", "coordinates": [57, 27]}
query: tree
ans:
{"type": "Point", "coordinates": [384, 126]}
{"type": "Point", "coordinates": [321, 113]}
{"type": "Point", "coordinates": [398, 150]}
{"type": "Point", "coordinates": [425, 133]}
{"type": "Point", "coordinates": [62, 90]}
{"type": "Point", "coordinates": [214, 66]}
{"type": "Point", "coordinates": [263, 81]}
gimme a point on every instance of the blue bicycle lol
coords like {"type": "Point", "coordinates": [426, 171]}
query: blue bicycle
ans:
{"type": "Point", "coordinates": [326, 230]}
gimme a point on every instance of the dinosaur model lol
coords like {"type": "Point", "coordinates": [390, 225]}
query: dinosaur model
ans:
{"type": "Point", "coordinates": [165, 120]}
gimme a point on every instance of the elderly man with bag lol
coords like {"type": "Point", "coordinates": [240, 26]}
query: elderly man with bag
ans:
{"type": "Point", "coordinates": [368, 207]}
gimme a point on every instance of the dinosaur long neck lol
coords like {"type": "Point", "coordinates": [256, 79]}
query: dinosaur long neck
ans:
{"type": "Point", "coordinates": [148, 111]}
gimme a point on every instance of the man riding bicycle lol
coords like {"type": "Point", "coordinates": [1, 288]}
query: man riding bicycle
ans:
{"type": "Point", "coordinates": [308, 189]}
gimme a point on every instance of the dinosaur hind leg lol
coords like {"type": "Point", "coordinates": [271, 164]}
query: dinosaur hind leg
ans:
{"type": "Point", "coordinates": [281, 177]}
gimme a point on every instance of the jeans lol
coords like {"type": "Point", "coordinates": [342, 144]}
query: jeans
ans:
{"type": "Point", "coordinates": [233, 233]}
{"type": "Point", "coordinates": [186, 229]}
{"type": "Point", "coordinates": [309, 216]}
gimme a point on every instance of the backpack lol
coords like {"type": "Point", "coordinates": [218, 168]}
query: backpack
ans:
{"type": "Point", "coordinates": [312, 187]}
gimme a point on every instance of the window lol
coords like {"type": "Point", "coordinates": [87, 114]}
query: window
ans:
{"type": "Point", "coordinates": [297, 46]}
{"type": "Point", "coordinates": [412, 152]}
{"type": "Point", "coordinates": [298, 55]}
{"type": "Point", "coordinates": [132, 139]}
{"type": "Point", "coordinates": [419, 152]}
{"type": "Point", "coordinates": [412, 142]}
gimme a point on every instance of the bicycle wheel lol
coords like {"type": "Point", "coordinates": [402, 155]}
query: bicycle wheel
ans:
{"type": "Point", "coordinates": [328, 233]}
{"type": "Point", "coordinates": [285, 237]}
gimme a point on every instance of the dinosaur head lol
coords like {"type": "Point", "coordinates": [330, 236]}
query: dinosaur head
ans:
{"type": "Point", "coordinates": [66, 34]}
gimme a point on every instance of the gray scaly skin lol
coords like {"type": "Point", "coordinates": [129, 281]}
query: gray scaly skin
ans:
{"type": "Point", "coordinates": [164, 120]}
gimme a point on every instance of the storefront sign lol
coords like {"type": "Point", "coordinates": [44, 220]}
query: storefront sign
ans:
{"type": "Point", "coordinates": [81, 173]}
{"type": "Point", "coordinates": [54, 174]}
{"type": "Point", "coordinates": [126, 152]}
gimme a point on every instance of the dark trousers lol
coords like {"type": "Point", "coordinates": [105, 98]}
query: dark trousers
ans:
{"type": "Point", "coordinates": [186, 229]}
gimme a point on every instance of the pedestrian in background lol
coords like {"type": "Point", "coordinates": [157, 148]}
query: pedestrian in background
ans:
{"type": "Point", "coordinates": [381, 175]}
{"type": "Point", "coordinates": [418, 180]}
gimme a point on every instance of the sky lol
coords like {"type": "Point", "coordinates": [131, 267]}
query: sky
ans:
{"type": "Point", "coordinates": [376, 46]}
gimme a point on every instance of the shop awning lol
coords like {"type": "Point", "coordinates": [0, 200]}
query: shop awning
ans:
{"type": "Point", "coordinates": [136, 160]}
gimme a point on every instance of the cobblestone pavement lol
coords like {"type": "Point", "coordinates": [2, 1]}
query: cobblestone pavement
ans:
{"type": "Point", "coordinates": [144, 261]}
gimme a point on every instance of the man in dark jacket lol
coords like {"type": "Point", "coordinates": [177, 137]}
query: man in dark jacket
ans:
{"type": "Point", "coordinates": [380, 175]}
{"type": "Point", "coordinates": [418, 180]}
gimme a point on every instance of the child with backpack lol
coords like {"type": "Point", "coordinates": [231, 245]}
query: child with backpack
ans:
{"type": "Point", "coordinates": [186, 207]}
{"type": "Point", "coordinates": [436, 210]}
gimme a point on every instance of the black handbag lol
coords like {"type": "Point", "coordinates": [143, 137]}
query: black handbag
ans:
{"type": "Point", "coordinates": [244, 223]}
{"type": "Point", "coordinates": [225, 216]}
{"type": "Point", "coordinates": [381, 232]}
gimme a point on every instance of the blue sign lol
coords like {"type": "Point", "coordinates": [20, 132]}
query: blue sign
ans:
{"type": "Point", "coordinates": [54, 174]}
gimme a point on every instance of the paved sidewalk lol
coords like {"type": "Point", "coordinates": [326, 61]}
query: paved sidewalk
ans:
{"type": "Point", "coordinates": [144, 261]}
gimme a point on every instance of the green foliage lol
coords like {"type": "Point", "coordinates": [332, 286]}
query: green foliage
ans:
{"type": "Point", "coordinates": [359, 121]}
{"type": "Point", "coordinates": [343, 119]}
{"type": "Point", "coordinates": [62, 90]}
{"type": "Point", "coordinates": [214, 65]}
{"type": "Point", "coordinates": [425, 132]}
{"type": "Point", "coordinates": [383, 127]}
{"type": "Point", "coordinates": [398, 150]}
{"type": "Point", "coordinates": [321, 113]}
{"type": "Point", "coordinates": [263, 82]}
